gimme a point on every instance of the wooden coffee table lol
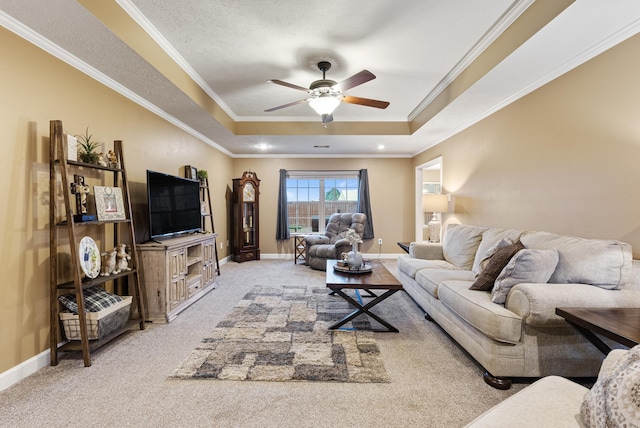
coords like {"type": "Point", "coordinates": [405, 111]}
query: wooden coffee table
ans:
{"type": "Point", "coordinates": [619, 324]}
{"type": "Point", "coordinates": [379, 279]}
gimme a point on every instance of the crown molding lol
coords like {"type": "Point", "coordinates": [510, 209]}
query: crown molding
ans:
{"type": "Point", "coordinates": [168, 48]}
{"type": "Point", "coordinates": [46, 45]}
{"type": "Point", "coordinates": [595, 50]}
{"type": "Point", "coordinates": [489, 37]}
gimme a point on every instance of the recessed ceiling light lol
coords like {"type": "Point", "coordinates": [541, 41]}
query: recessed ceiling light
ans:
{"type": "Point", "coordinates": [263, 146]}
{"type": "Point", "coordinates": [380, 146]}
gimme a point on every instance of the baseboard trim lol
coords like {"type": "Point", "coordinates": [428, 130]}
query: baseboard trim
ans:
{"type": "Point", "coordinates": [35, 363]}
{"type": "Point", "coordinates": [24, 369]}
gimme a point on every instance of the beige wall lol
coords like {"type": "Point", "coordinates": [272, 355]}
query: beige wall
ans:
{"type": "Point", "coordinates": [36, 88]}
{"type": "Point", "coordinates": [564, 159]}
{"type": "Point", "coordinates": [391, 191]}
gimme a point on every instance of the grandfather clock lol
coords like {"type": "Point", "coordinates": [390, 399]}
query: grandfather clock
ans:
{"type": "Point", "coordinates": [246, 195]}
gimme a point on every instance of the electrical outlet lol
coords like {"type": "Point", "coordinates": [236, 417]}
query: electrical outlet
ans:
{"type": "Point", "coordinates": [379, 241]}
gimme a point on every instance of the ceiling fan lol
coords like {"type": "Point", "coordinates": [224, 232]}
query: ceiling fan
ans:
{"type": "Point", "coordinates": [326, 95]}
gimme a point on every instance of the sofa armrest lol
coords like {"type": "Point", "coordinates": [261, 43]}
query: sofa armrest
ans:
{"type": "Point", "coordinates": [342, 246]}
{"type": "Point", "coordinates": [310, 240]}
{"type": "Point", "coordinates": [537, 303]}
{"type": "Point", "coordinates": [426, 250]}
{"type": "Point", "coordinates": [343, 242]}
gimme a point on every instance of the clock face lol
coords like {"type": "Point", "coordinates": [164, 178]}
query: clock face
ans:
{"type": "Point", "coordinates": [249, 193]}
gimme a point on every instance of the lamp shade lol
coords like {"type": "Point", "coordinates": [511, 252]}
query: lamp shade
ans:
{"type": "Point", "coordinates": [324, 104]}
{"type": "Point", "coordinates": [432, 203]}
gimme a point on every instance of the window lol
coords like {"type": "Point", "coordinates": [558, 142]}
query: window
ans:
{"type": "Point", "coordinates": [315, 195]}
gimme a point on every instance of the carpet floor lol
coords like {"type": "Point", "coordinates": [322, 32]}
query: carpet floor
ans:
{"type": "Point", "coordinates": [433, 382]}
{"type": "Point", "coordinates": [280, 333]}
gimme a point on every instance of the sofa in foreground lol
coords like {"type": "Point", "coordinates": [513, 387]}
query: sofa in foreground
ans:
{"type": "Point", "coordinates": [508, 325]}
{"type": "Point", "coordinates": [558, 402]}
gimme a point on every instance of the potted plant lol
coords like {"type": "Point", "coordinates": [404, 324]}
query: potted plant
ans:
{"type": "Point", "coordinates": [88, 146]}
{"type": "Point", "coordinates": [202, 175]}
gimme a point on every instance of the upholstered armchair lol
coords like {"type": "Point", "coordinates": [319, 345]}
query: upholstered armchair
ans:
{"type": "Point", "coordinates": [331, 245]}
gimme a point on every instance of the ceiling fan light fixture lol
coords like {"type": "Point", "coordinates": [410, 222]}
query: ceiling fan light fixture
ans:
{"type": "Point", "coordinates": [324, 104]}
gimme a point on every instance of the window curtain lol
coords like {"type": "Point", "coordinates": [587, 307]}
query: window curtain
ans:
{"type": "Point", "coordinates": [282, 221]}
{"type": "Point", "coordinates": [364, 203]}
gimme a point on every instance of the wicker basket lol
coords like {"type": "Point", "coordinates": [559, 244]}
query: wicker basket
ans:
{"type": "Point", "coordinates": [99, 324]}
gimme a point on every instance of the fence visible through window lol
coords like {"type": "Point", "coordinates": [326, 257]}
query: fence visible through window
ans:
{"type": "Point", "coordinates": [304, 217]}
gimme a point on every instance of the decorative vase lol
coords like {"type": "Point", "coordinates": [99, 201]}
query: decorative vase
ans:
{"type": "Point", "coordinates": [354, 258]}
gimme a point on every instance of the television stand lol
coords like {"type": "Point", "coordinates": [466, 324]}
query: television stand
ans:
{"type": "Point", "coordinates": [176, 273]}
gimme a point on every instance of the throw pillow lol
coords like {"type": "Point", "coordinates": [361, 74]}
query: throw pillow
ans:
{"type": "Point", "coordinates": [492, 250]}
{"type": "Point", "coordinates": [95, 300]}
{"type": "Point", "coordinates": [494, 265]}
{"type": "Point", "coordinates": [614, 399]}
{"type": "Point", "coordinates": [527, 265]}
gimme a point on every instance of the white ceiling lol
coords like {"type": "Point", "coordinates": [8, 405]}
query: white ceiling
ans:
{"type": "Point", "coordinates": [204, 64]}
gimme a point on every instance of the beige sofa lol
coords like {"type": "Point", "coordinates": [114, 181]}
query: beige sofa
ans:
{"type": "Point", "coordinates": [558, 402]}
{"type": "Point", "coordinates": [523, 337]}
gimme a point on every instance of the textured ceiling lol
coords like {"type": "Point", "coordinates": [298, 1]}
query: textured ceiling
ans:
{"type": "Point", "coordinates": [204, 65]}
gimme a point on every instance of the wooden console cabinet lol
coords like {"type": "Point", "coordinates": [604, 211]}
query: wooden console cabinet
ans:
{"type": "Point", "coordinates": [177, 272]}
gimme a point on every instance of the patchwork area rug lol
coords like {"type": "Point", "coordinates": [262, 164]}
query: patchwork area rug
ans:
{"type": "Point", "coordinates": [281, 334]}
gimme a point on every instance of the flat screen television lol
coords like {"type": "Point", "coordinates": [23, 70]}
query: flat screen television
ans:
{"type": "Point", "coordinates": [174, 205]}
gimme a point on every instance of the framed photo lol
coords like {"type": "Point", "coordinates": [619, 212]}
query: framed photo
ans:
{"type": "Point", "coordinates": [109, 204]}
{"type": "Point", "coordinates": [191, 172]}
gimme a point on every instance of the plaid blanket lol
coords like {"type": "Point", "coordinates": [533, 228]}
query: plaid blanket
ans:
{"type": "Point", "coordinates": [95, 300]}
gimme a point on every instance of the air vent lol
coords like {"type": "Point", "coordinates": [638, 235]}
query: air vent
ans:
{"type": "Point", "coordinates": [321, 147]}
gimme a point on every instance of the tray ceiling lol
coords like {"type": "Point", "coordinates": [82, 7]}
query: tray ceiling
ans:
{"type": "Point", "coordinates": [204, 65]}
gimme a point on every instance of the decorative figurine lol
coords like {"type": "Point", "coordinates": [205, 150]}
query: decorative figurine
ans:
{"type": "Point", "coordinates": [102, 161]}
{"type": "Point", "coordinates": [122, 259]}
{"type": "Point", "coordinates": [112, 160]}
{"type": "Point", "coordinates": [108, 262]}
{"type": "Point", "coordinates": [81, 191]}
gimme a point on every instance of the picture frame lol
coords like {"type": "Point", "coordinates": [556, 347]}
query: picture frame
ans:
{"type": "Point", "coordinates": [191, 172]}
{"type": "Point", "coordinates": [71, 144]}
{"type": "Point", "coordinates": [109, 203]}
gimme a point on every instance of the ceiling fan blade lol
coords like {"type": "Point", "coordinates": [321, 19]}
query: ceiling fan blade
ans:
{"type": "Point", "coordinates": [365, 102]}
{"type": "Point", "coordinates": [355, 80]}
{"type": "Point", "coordinates": [288, 85]}
{"type": "Point", "coordinates": [286, 105]}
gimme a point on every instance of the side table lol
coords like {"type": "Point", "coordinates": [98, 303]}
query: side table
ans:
{"type": "Point", "coordinates": [299, 249]}
{"type": "Point", "coordinates": [621, 325]}
{"type": "Point", "coordinates": [404, 246]}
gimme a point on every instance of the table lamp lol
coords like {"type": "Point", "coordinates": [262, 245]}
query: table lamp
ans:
{"type": "Point", "coordinates": [433, 203]}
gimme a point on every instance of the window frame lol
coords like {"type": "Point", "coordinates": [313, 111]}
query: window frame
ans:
{"type": "Point", "coordinates": [322, 176]}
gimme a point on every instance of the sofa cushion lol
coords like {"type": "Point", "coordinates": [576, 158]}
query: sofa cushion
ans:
{"type": "Point", "coordinates": [527, 266]}
{"type": "Point", "coordinates": [614, 400]}
{"type": "Point", "coordinates": [494, 265]}
{"type": "Point", "coordinates": [411, 266]}
{"type": "Point", "coordinates": [325, 251]}
{"type": "Point", "coordinates": [490, 238]}
{"type": "Point", "coordinates": [430, 279]}
{"type": "Point", "coordinates": [476, 308]}
{"type": "Point", "coordinates": [605, 263]}
{"type": "Point", "coordinates": [460, 243]}
{"type": "Point", "coordinates": [552, 401]}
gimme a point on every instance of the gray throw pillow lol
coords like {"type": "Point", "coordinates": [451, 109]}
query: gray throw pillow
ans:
{"type": "Point", "coordinates": [614, 399]}
{"type": "Point", "coordinates": [497, 259]}
{"type": "Point", "coordinates": [528, 265]}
